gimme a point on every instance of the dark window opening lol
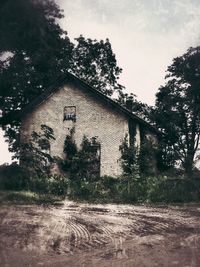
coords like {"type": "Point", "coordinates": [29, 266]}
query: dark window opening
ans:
{"type": "Point", "coordinates": [70, 113]}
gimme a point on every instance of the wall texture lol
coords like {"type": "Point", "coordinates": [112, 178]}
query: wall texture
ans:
{"type": "Point", "coordinates": [93, 118]}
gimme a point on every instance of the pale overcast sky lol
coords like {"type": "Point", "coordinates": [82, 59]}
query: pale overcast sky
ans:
{"type": "Point", "coordinates": [145, 35]}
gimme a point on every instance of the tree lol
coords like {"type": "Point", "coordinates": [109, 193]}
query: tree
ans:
{"type": "Point", "coordinates": [29, 25]}
{"type": "Point", "coordinates": [35, 157]}
{"type": "Point", "coordinates": [40, 50]}
{"type": "Point", "coordinates": [37, 48]}
{"type": "Point", "coordinates": [130, 163]}
{"type": "Point", "coordinates": [178, 108]}
{"type": "Point", "coordinates": [95, 63]}
{"type": "Point", "coordinates": [139, 108]}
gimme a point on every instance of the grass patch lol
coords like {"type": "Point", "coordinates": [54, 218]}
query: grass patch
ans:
{"type": "Point", "coordinates": [28, 197]}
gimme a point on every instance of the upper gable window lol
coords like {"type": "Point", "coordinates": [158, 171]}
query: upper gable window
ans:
{"type": "Point", "coordinates": [69, 113]}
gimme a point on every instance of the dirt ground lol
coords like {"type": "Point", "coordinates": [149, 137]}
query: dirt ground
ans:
{"type": "Point", "coordinates": [85, 235]}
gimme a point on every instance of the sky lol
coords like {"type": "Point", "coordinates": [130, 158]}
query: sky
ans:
{"type": "Point", "coordinates": [145, 36]}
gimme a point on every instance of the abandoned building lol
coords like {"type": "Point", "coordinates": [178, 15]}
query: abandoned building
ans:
{"type": "Point", "coordinates": [71, 103]}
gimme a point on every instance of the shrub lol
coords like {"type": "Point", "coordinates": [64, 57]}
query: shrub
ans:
{"type": "Point", "coordinates": [12, 177]}
{"type": "Point", "coordinates": [35, 158]}
{"type": "Point", "coordinates": [83, 163]}
{"type": "Point", "coordinates": [104, 189]}
{"type": "Point", "coordinates": [132, 182]}
{"type": "Point", "coordinates": [172, 190]}
{"type": "Point", "coordinates": [57, 185]}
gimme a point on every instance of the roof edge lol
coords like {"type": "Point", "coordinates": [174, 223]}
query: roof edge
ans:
{"type": "Point", "coordinates": [71, 77]}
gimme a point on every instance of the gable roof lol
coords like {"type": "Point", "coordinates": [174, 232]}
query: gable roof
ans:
{"type": "Point", "coordinates": [69, 77]}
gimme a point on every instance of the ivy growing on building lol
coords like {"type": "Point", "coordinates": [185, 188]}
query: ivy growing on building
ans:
{"type": "Point", "coordinates": [130, 166]}
{"type": "Point", "coordinates": [148, 154]}
{"type": "Point", "coordinates": [82, 163]}
{"type": "Point", "coordinates": [137, 164]}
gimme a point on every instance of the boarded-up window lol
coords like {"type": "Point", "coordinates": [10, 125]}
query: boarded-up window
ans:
{"type": "Point", "coordinates": [69, 113]}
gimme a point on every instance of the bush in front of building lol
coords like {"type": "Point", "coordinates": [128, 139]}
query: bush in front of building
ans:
{"type": "Point", "coordinates": [12, 177]}
{"type": "Point", "coordinates": [168, 189]}
{"type": "Point", "coordinates": [81, 163]}
{"type": "Point", "coordinates": [81, 181]}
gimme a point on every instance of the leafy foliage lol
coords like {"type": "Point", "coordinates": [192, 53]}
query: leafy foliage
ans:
{"type": "Point", "coordinates": [30, 20]}
{"type": "Point", "coordinates": [166, 158]}
{"type": "Point", "coordinates": [34, 172]}
{"type": "Point", "coordinates": [81, 163]}
{"type": "Point", "coordinates": [129, 157]}
{"type": "Point", "coordinates": [148, 156]}
{"type": "Point", "coordinates": [70, 150]}
{"type": "Point", "coordinates": [35, 49]}
{"type": "Point", "coordinates": [155, 189]}
{"type": "Point", "coordinates": [95, 63]}
{"type": "Point", "coordinates": [104, 189]}
{"type": "Point", "coordinates": [137, 107]}
{"type": "Point", "coordinates": [172, 189]}
{"type": "Point", "coordinates": [132, 183]}
{"type": "Point", "coordinates": [138, 163]}
{"type": "Point", "coordinates": [28, 197]}
{"type": "Point", "coordinates": [34, 155]}
{"type": "Point", "coordinates": [178, 109]}
{"type": "Point", "coordinates": [12, 177]}
{"type": "Point", "coordinates": [40, 49]}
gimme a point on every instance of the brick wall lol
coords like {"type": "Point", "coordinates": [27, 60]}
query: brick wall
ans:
{"type": "Point", "coordinates": [93, 118]}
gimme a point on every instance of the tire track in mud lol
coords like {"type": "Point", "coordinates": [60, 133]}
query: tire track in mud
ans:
{"type": "Point", "coordinates": [154, 221]}
{"type": "Point", "coordinates": [87, 228]}
{"type": "Point", "coordinates": [81, 231]}
{"type": "Point", "coordinates": [101, 232]}
{"type": "Point", "coordinates": [19, 232]}
{"type": "Point", "coordinates": [79, 235]}
{"type": "Point", "coordinates": [83, 227]}
{"type": "Point", "coordinates": [67, 230]}
{"type": "Point", "coordinates": [88, 235]}
{"type": "Point", "coordinates": [148, 225]}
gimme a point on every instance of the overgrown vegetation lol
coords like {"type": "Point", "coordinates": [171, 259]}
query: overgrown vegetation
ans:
{"type": "Point", "coordinates": [15, 177]}
{"type": "Point", "coordinates": [34, 154]}
{"type": "Point", "coordinates": [35, 51]}
{"type": "Point", "coordinates": [34, 48]}
{"type": "Point", "coordinates": [131, 183]}
{"type": "Point", "coordinates": [80, 179]}
{"type": "Point", "coordinates": [28, 197]}
{"type": "Point", "coordinates": [34, 172]}
{"type": "Point", "coordinates": [81, 163]}
{"type": "Point", "coordinates": [178, 110]}
{"type": "Point", "coordinates": [140, 181]}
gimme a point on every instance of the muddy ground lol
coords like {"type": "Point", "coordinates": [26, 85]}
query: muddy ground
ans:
{"type": "Point", "coordinates": [87, 235]}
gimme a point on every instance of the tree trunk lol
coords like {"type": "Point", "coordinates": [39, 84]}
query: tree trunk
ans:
{"type": "Point", "coordinates": [188, 165]}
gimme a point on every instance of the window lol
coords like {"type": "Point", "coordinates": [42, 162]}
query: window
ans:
{"type": "Point", "coordinates": [69, 113]}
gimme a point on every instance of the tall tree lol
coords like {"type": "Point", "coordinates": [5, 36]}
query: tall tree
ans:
{"type": "Point", "coordinates": [39, 51]}
{"type": "Point", "coordinates": [29, 25]}
{"type": "Point", "coordinates": [39, 48]}
{"type": "Point", "coordinates": [95, 63]}
{"type": "Point", "coordinates": [178, 108]}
